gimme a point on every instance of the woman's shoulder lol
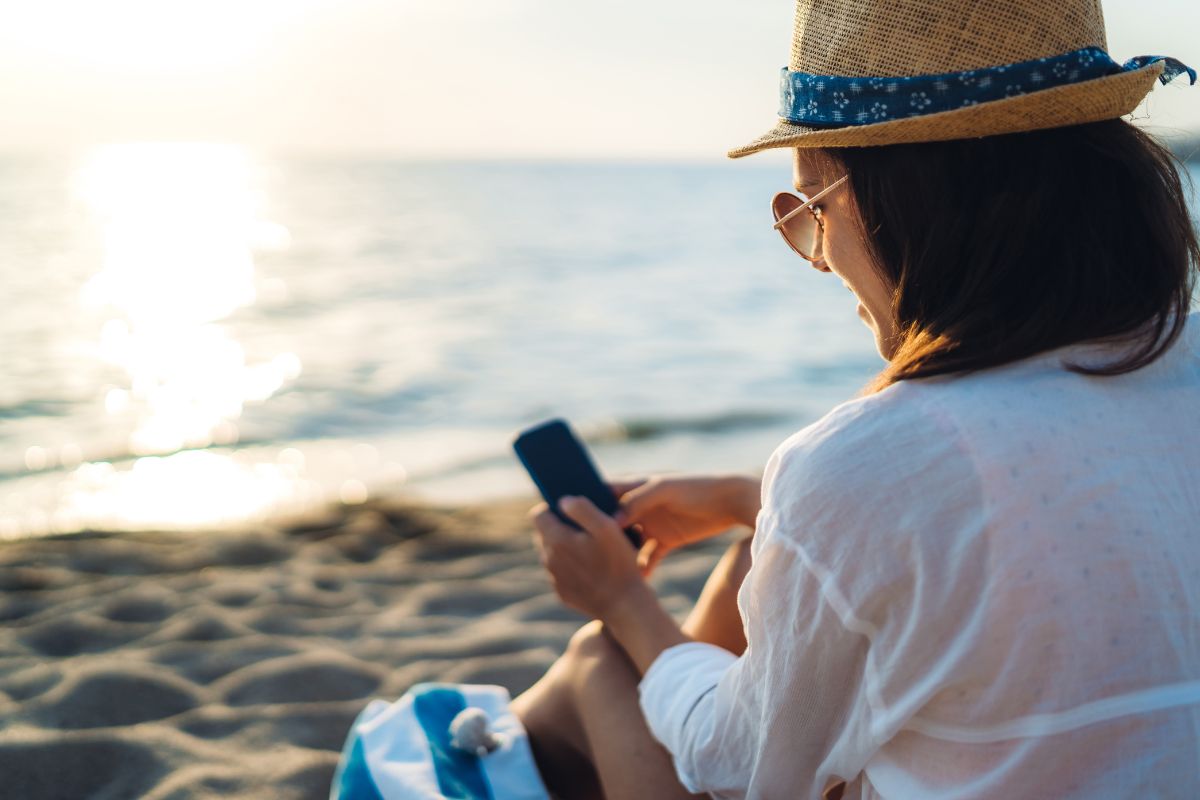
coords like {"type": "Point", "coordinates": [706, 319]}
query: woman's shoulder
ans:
{"type": "Point", "coordinates": [935, 436]}
{"type": "Point", "coordinates": [856, 420]}
{"type": "Point", "coordinates": [894, 418]}
{"type": "Point", "coordinates": [882, 475]}
{"type": "Point", "coordinates": [873, 446]}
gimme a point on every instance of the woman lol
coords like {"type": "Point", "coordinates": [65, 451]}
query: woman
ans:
{"type": "Point", "coordinates": [982, 577]}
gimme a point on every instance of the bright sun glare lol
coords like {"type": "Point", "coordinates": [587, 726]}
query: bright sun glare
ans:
{"type": "Point", "coordinates": [169, 35]}
{"type": "Point", "coordinates": [180, 223]}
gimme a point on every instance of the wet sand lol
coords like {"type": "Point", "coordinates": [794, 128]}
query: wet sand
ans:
{"type": "Point", "coordinates": [230, 664]}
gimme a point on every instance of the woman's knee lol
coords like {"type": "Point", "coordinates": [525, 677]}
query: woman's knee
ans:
{"type": "Point", "coordinates": [592, 642]}
{"type": "Point", "coordinates": [593, 649]}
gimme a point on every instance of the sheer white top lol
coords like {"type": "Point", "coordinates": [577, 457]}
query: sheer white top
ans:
{"type": "Point", "coordinates": [984, 586]}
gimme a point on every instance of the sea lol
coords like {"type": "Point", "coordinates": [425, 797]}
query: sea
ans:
{"type": "Point", "coordinates": [199, 336]}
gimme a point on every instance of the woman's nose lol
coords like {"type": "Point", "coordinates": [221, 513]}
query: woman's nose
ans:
{"type": "Point", "coordinates": [819, 265]}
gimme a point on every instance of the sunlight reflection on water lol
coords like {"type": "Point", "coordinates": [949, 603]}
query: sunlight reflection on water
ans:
{"type": "Point", "coordinates": [180, 225]}
{"type": "Point", "coordinates": [178, 360]}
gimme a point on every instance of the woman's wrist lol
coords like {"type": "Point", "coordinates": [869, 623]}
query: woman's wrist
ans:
{"type": "Point", "coordinates": [744, 498]}
{"type": "Point", "coordinates": [643, 628]}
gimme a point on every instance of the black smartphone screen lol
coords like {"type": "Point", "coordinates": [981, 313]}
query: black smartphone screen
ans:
{"type": "Point", "coordinates": [560, 465]}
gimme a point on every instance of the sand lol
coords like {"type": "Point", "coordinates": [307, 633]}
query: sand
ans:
{"type": "Point", "coordinates": [231, 664]}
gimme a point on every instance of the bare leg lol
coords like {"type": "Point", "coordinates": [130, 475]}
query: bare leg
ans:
{"type": "Point", "coordinates": [715, 618]}
{"type": "Point", "coordinates": [585, 725]}
{"type": "Point", "coordinates": [549, 712]}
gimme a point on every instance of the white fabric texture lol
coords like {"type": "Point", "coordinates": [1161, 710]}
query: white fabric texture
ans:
{"type": "Point", "coordinates": [979, 586]}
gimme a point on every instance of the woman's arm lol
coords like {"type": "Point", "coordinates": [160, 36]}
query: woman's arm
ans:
{"type": "Point", "coordinates": [745, 497]}
{"type": "Point", "coordinates": [642, 626]}
{"type": "Point", "coordinates": [595, 571]}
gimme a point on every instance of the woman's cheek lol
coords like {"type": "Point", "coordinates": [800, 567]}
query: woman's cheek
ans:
{"type": "Point", "coordinates": [835, 253]}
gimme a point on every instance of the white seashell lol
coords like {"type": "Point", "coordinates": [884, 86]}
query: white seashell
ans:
{"type": "Point", "coordinates": [469, 732]}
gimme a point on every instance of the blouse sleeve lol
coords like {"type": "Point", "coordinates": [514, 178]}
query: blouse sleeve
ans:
{"type": "Point", "coordinates": [794, 699]}
{"type": "Point", "coordinates": [834, 578]}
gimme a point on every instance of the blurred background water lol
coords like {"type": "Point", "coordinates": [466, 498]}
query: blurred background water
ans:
{"type": "Point", "coordinates": [195, 335]}
{"type": "Point", "coordinates": [199, 334]}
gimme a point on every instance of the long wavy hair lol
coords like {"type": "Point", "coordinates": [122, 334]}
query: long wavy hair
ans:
{"type": "Point", "coordinates": [1003, 247]}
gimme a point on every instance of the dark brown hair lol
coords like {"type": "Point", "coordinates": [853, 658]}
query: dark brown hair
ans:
{"type": "Point", "coordinates": [1002, 247]}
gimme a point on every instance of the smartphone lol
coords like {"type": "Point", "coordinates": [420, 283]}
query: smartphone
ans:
{"type": "Point", "coordinates": [560, 465]}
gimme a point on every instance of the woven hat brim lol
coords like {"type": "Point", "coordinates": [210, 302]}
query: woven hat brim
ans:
{"type": "Point", "coordinates": [1088, 101]}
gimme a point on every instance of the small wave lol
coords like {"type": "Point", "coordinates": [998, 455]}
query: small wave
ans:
{"type": "Point", "coordinates": [629, 430]}
{"type": "Point", "coordinates": [640, 429]}
{"type": "Point", "coordinates": [36, 408]}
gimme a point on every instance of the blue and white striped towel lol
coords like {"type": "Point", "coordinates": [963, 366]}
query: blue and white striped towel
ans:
{"type": "Point", "coordinates": [403, 750]}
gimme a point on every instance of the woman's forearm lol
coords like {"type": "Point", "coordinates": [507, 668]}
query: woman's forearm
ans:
{"type": "Point", "coordinates": [637, 620]}
{"type": "Point", "coordinates": [745, 497]}
{"type": "Point", "coordinates": [642, 626]}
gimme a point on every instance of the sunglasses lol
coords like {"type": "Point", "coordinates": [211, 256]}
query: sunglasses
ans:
{"type": "Point", "coordinates": [801, 223]}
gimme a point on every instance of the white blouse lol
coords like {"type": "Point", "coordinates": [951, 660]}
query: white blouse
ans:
{"type": "Point", "coordinates": [984, 586]}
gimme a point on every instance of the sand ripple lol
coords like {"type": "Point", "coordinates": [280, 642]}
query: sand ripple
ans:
{"type": "Point", "coordinates": [218, 665]}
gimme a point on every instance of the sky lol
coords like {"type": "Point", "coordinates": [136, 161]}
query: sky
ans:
{"type": "Point", "coordinates": [685, 79]}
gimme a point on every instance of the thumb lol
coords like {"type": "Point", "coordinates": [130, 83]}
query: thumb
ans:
{"type": "Point", "coordinates": [659, 553]}
{"type": "Point", "coordinates": [636, 503]}
{"type": "Point", "coordinates": [619, 488]}
{"type": "Point", "coordinates": [590, 518]}
{"type": "Point", "coordinates": [645, 557]}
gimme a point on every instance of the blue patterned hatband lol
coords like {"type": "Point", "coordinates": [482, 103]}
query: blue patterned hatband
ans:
{"type": "Point", "coordinates": [837, 101]}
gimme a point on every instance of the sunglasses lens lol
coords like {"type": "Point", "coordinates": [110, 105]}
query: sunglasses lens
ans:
{"type": "Point", "coordinates": [801, 232]}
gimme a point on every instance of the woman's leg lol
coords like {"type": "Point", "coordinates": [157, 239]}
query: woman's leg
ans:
{"type": "Point", "coordinates": [585, 725]}
{"type": "Point", "coordinates": [550, 714]}
{"type": "Point", "coordinates": [715, 617]}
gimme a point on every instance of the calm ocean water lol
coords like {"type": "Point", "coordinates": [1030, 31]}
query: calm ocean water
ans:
{"type": "Point", "coordinates": [195, 336]}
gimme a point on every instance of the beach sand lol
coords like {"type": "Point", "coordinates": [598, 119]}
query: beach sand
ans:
{"type": "Point", "coordinates": [231, 664]}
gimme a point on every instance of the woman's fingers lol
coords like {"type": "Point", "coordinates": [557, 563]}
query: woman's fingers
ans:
{"type": "Point", "coordinates": [535, 515]}
{"type": "Point", "coordinates": [547, 527]}
{"type": "Point", "coordinates": [655, 557]}
{"type": "Point", "coordinates": [648, 557]}
{"type": "Point", "coordinates": [588, 568]}
{"type": "Point", "coordinates": [621, 488]}
{"type": "Point", "coordinates": [590, 518]}
{"type": "Point", "coordinates": [637, 502]}
{"type": "Point", "coordinates": [645, 558]}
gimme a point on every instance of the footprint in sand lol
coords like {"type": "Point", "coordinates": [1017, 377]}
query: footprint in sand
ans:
{"type": "Point", "coordinates": [78, 634]}
{"type": "Point", "coordinates": [142, 605]}
{"type": "Point", "coordinates": [110, 696]}
{"type": "Point", "coordinates": [29, 683]}
{"type": "Point", "coordinates": [91, 767]}
{"type": "Point", "coordinates": [306, 678]}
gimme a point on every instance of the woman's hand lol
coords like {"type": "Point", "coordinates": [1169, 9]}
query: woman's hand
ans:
{"type": "Point", "coordinates": [593, 570]}
{"type": "Point", "coordinates": [676, 510]}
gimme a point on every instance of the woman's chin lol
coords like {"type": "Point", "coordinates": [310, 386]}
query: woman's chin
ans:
{"type": "Point", "coordinates": [867, 319]}
{"type": "Point", "coordinates": [886, 345]}
{"type": "Point", "coordinates": [883, 344]}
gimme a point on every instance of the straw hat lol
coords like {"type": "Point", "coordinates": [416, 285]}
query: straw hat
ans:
{"type": "Point", "coordinates": [875, 72]}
